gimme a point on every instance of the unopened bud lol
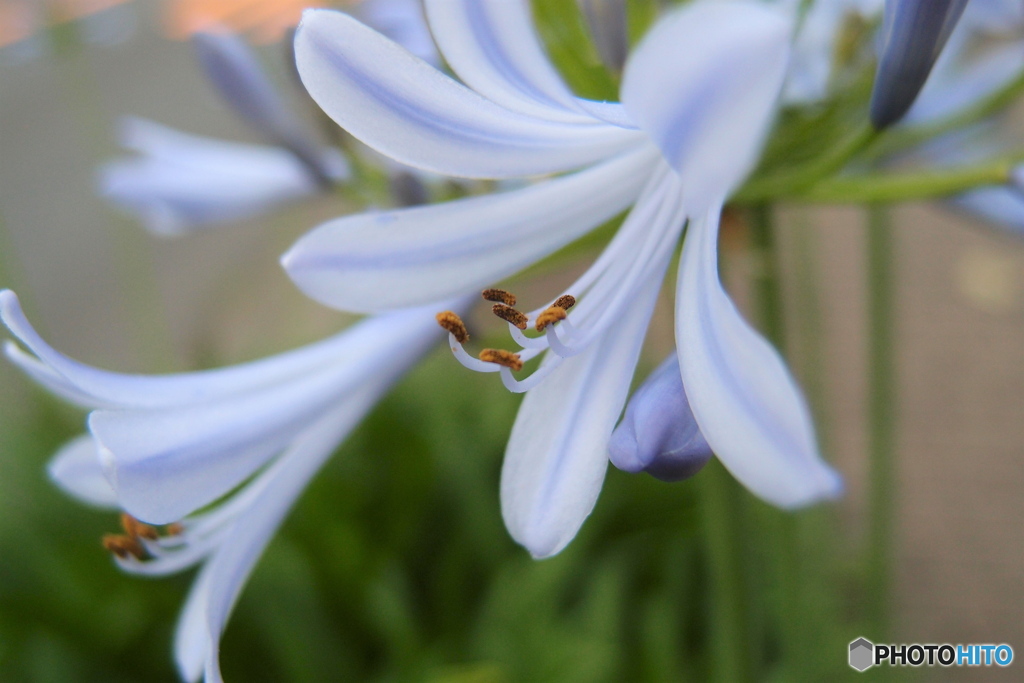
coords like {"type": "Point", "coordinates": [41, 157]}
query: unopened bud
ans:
{"type": "Point", "coordinates": [238, 77]}
{"type": "Point", "coordinates": [658, 433]}
{"type": "Point", "coordinates": [913, 34]}
{"type": "Point", "coordinates": [610, 30]}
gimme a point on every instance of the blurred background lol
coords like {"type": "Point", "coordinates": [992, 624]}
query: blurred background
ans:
{"type": "Point", "coordinates": [395, 565]}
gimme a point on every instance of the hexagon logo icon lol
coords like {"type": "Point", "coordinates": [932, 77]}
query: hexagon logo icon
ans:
{"type": "Point", "coordinates": [862, 653]}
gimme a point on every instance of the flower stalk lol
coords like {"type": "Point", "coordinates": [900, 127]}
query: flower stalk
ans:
{"type": "Point", "coordinates": [910, 185]}
{"type": "Point", "coordinates": [782, 527]}
{"type": "Point", "coordinates": [725, 531]}
{"type": "Point", "coordinates": [882, 416]}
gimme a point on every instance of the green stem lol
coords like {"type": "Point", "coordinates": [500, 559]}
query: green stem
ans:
{"type": "Point", "coordinates": [766, 280]}
{"type": "Point", "coordinates": [819, 543]}
{"type": "Point", "coordinates": [801, 178]}
{"type": "Point", "coordinates": [893, 187]}
{"type": "Point", "coordinates": [784, 552]}
{"type": "Point", "coordinates": [881, 419]}
{"type": "Point", "coordinates": [731, 637]}
{"type": "Point", "coordinates": [810, 330]}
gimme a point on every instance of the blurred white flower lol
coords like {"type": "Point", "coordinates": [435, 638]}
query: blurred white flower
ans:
{"type": "Point", "coordinates": [698, 95]}
{"type": "Point", "coordinates": [180, 183]}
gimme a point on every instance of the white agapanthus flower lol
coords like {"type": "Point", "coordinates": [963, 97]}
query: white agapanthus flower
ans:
{"type": "Point", "coordinates": [219, 455]}
{"type": "Point", "coordinates": [698, 95]}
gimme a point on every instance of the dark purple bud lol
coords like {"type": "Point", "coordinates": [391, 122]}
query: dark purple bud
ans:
{"type": "Point", "coordinates": [407, 189]}
{"type": "Point", "coordinates": [239, 78]}
{"type": "Point", "coordinates": [913, 34]}
{"type": "Point", "coordinates": [610, 30]}
{"type": "Point", "coordinates": [658, 434]}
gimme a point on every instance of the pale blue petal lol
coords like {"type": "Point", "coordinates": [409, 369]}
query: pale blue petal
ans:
{"type": "Point", "coordinates": [220, 582]}
{"type": "Point", "coordinates": [703, 85]}
{"type": "Point", "coordinates": [958, 82]}
{"type": "Point", "coordinates": [994, 16]}
{"type": "Point", "coordinates": [408, 110]}
{"type": "Point", "coordinates": [405, 257]}
{"type": "Point", "coordinates": [1003, 206]}
{"type": "Point", "coordinates": [557, 453]}
{"type": "Point", "coordinates": [402, 21]}
{"type": "Point", "coordinates": [492, 46]}
{"type": "Point", "coordinates": [76, 469]}
{"type": "Point", "coordinates": [94, 387]}
{"type": "Point", "coordinates": [167, 463]}
{"type": "Point", "coordinates": [658, 434]}
{"type": "Point", "coordinates": [51, 380]}
{"type": "Point", "coordinates": [745, 401]}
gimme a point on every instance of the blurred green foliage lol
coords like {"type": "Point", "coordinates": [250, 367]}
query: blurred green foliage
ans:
{"type": "Point", "coordinates": [395, 566]}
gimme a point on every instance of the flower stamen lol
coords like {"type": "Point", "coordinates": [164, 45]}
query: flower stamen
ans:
{"type": "Point", "coordinates": [510, 315]}
{"type": "Point", "coordinates": [137, 529]}
{"type": "Point", "coordinates": [125, 546]}
{"type": "Point", "coordinates": [550, 316]}
{"type": "Point", "coordinates": [500, 295]}
{"type": "Point", "coordinates": [503, 358]}
{"type": "Point", "coordinates": [453, 323]}
{"type": "Point", "coordinates": [566, 301]}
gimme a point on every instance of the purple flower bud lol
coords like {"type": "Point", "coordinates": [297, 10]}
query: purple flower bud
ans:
{"type": "Point", "coordinates": [913, 34]}
{"type": "Point", "coordinates": [240, 80]}
{"type": "Point", "coordinates": [610, 30]}
{"type": "Point", "coordinates": [658, 434]}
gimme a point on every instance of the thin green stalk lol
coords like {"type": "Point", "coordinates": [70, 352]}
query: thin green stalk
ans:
{"type": "Point", "coordinates": [820, 546]}
{"type": "Point", "coordinates": [810, 330]}
{"type": "Point", "coordinates": [814, 180]}
{"type": "Point", "coordinates": [784, 551]}
{"type": "Point", "coordinates": [766, 281]}
{"type": "Point", "coordinates": [881, 419]}
{"type": "Point", "coordinates": [883, 188]}
{"type": "Point", "coordinates": [806, 176]}
{"type": "Point", "coordinates": [731, 633]}
{"type": "Point", "coordinates": [736, 631]}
